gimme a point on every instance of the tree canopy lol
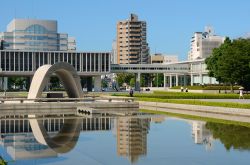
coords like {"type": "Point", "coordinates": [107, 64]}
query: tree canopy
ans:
{"type": "Point", "coordinates": [232, 136]}
{"type": "Point", "coordinates": [124, 78]}
{"type": "Point", "coordinates": [230, 63]}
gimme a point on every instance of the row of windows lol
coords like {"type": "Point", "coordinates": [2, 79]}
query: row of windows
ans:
{"type": "Point", "coordinates": [30, 61]}
{"type": "Point", "coordinates": [142, 68]}
{"type": "Point", "coordinates": [14, 126]}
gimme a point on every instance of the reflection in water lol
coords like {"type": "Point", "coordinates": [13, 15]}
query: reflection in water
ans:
{"type": "Point", "coordinates": [61, 135]}
{"type": "Point", "coordinates": [232, 136]}
{"type": "Point", "coordinates": [63, 141]}
{"type": "Point", "coordinates": [201, 134]}
{"type": "Point", "coordinates": [132, 137]}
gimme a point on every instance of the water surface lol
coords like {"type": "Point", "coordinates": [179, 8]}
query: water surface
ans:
{"type": "Point", "coordinates": [122, 139]}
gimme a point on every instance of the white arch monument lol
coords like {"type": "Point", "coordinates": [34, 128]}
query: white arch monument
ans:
{"type": "Point", "coordinates": [65, 72]}
{"type": "Point", "coordinates": [66, 139]}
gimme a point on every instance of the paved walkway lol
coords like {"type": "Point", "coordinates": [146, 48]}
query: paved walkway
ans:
{"type": "Point", "coordinates": [242, 101]}
{"type": "Point", "coordinates": [235, 114]}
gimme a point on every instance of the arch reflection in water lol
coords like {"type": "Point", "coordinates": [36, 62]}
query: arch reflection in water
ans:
{"type": "Point", "coordinates": [63, 141]}
{"type": "Point", "coordinates": [19, 141]}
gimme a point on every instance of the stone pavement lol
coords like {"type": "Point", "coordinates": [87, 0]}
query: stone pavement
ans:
{"type": "Point", "coordinates": [235, 114]}
{"type": "Point", "coordinates": [242, 101]}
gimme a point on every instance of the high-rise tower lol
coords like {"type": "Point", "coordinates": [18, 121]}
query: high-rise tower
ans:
{"type": "Point", "coordinates": [132, 46]}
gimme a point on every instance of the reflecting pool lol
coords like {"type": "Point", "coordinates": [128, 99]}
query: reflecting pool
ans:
{"type": "Point", "coordinates": [133, 138]}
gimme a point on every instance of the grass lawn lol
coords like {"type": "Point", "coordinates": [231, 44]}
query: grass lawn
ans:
{"type": "Point", "coordinates": [184, 95]}
{"type": "Point", "coordinates": [197, 102]}
{"type": "Point", "coordinates": [189, 98]}
{"type": "Point", "coordinates": [197, 118]}
{"type": "Point", "coordinates": [207, 87]}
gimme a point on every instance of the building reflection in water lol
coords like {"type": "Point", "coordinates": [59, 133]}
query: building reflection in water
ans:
{"type": "Point", "coordinates": [201, 134]}
{"type": "Point", "coordinates": [20, 143]}
{"type": "Point", "coordinates": [132, 137]}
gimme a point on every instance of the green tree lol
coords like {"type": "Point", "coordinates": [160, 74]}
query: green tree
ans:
{"type": "Point", "coordinates": [54, 82]}
{"type": "Point", "coordinates": [158, 80]}
{"type": "Point", "coordinates": [229, 63]}
{"type": "Point", "coordinates": [132, 82]}
{"type": "Point", "coordinates": [104, 83]}
{"type": "Point", "coordinates": [124, 78]}
{"type": "Point", "coordinates": [232, 136]}
{"type": "Point", "coordinates": [16, 82]}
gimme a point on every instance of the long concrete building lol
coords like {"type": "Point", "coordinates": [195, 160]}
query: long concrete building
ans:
{"type": "Point", "coordinates": [25, 63]}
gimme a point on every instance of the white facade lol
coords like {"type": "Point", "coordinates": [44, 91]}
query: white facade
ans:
{"type": "Point", "coordinates": [170, 59]}
{"type": "Point", "coordinates": [32, 34]}
{"type": "Point", "coordinates": [203, 43]}
{"type": "Point", "coordinates": [114, 53]}
{"type": "Point", "coordinates": [71, 43]}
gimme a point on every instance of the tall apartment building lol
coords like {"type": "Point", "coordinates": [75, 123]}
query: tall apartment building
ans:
{"type": "Point", "coordinates": [36, 35]}
{"type": "Point", "coordinates": [203, 43]}
{"type": "Point", "coordinates": [132, 46]}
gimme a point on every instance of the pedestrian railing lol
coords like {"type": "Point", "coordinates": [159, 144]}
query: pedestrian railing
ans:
{"type": "Point", "coordinates": [89, 99]}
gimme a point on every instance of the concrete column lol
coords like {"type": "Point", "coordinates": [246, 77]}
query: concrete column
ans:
{"type": "Point", "coordinates": [137, 81]}
{"type": "Point", "coordinates": [176, 80]}
{"type": "Point", "coordinates": [28, 82]}
{"type": "Point", "coordinates": [201, 79]}
{"type": "Point", "coordinates": [164, 83]}
{"type": "Point", "coordinates": [210, 80]}
{"type": "Point", "coordinates": [97, 83]}
{"type": "Point", "coordinates": [89, 84]}
{"type": "Point", "coordinates": [170, 81]}
{"type": "Point", "coordinates": [5, 83]}
{"type": "Point", "coordinates": [1, 83]}
{"type": "Point", "coordinates": [185, 80]}
{"type": "Point", "coordinates": [192, 79]}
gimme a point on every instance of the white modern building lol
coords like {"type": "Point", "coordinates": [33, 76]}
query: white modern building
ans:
{"type": "Point", "coordinates": [201, 135]}
{"type": "Point", "coordinates": [71, 44]}
{"type": "Point", "coordinates": [114, 53]}
{"type": "Point", "coordinates": [36, 35]}
{"type": "Point", "coordinates": [203, 43]}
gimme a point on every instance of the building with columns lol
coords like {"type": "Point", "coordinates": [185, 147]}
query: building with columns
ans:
{"type": "Point", "coordinates": [89, 65]}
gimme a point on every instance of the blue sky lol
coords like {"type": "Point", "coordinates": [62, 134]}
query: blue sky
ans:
{"type": "Point", "coordinates": [171, 23]}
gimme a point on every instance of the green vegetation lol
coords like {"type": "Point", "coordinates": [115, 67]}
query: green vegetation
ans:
{"type": "Point", "coordinates": [158, 79]}
{"type": "Point", "coordinates": [207, 87]}
{"type": "Point", "coordinates": [129, 79]}
{"type": "Point", "coordinates": [229, 63]}
{"type": "Point", "coordinates": [183, 95]}
{"type": "Point", "coordinates": [232, 136]}
{"type": "Point", "coordinates": [189, 98]}
{"type": "Point", "coordinates": [230, 133]}
{"type": "Point", "coordinates": [124, 78]}
{"type": "Point", "coordinates": [192, 117]}
{"type": "Point", "coordinates": [198, 102]}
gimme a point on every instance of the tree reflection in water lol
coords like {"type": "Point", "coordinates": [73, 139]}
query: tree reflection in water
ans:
{"type": "Point", "coordinates": [232, 136]}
